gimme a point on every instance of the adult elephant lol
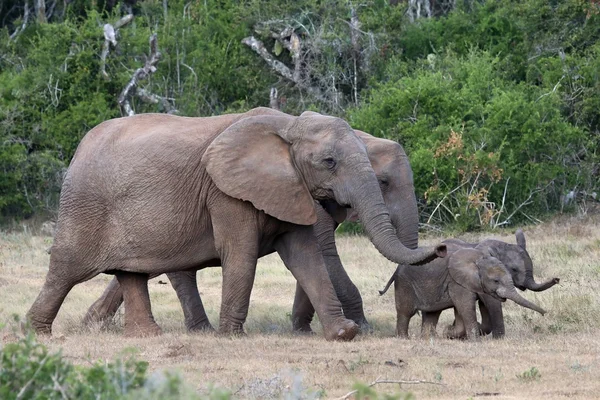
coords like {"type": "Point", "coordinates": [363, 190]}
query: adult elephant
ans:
{"type": "Point", "coordinates": [392, 169]}
{"type": "Point", "coordinates": [157, 193]}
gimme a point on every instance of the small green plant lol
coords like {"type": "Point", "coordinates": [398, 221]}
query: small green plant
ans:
{"type": "Point", "coordinates": [354, 365]}
{"type": "Point", "coordinates": [530, 375]}
{"type": "Point", "coordinates": [365, 391]}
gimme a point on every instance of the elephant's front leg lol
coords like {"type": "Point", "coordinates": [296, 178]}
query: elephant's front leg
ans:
{"type": "Point", "coordinates": [429, 321]}
{"type": "Point", "coordinates": [301, 254]}
{"type": "Point", "coordinates": [138, 313]}
{"type": "Point", "coordinates": [345, 289]}
{"type": "Point", "coordinates": [492, 317]}
{"type": "Point", "coordinates": [186, 287]}
{"type": "Point", "coordinates": [464, 303]}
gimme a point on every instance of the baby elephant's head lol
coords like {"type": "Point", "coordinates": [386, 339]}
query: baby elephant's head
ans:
{"type": "Point", "coordinates": [479, 272]}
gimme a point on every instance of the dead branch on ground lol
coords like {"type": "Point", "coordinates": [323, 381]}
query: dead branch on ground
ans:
{"type": "Point", "coordinates": [399, 382]}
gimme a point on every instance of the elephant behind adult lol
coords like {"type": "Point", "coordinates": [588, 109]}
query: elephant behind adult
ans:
{"type": "Point", "coordinates": [394, 174]}
{"type": "Point", "coordinates": [157, 193]}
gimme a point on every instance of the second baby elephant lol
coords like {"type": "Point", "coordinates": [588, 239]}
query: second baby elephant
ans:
{"type": "Point", "coordinates": [392, 169]}
{"type": "Point", "coordinates": [455, 282]}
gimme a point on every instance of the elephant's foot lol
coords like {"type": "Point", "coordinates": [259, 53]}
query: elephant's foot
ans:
{"type": "Point", "coordinates": [203, 326]}
{"type": "Point", "coordinates": [364, 326]}
{"type": "Point", "coordinates": [231, 329]}
{"type": "Point", "coordinates": [39, 327]}
{"type": "Point", "coordinates": [450, 332]}
{"type": "Point", "coordinates": [345, 330]}
{"type": "Point", "coordinates": [142, 329]}
{"type": "Point", "coordinates": [301, 325]}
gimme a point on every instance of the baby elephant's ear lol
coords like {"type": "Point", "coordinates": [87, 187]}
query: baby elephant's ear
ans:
{"type": "Point", "coordinates": [462, 266]}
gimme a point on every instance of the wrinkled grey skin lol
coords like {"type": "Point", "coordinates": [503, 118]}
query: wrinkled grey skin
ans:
{"type": "Point", "coordinates": [156, 193]}
{"type": "Point", "coordinates": [392, 168]}
{"type": "Point", "coordinates": [518, 262]}
{"type": "Point", "coordinates": [454, 281]}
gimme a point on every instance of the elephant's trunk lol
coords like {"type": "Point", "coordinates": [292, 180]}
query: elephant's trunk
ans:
{"type": "Point", "coordinates": [517, 298]}
{"type": "Point", "coordinates": [531, 284]}
{"type": "Point", "coordinates": [406, 219]}
{"type": "Point", "coordinates": [368, 202]}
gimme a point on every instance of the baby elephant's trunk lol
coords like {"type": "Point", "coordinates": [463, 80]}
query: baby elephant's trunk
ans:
{"type": "Point", "coordinates": [517, 298]}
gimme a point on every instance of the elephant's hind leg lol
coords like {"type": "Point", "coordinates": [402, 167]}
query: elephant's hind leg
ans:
{"type": "Point", "coordinates": [138, 313]}
{"type": "Point", "coordinates": [61, 278]}
{"type": "Point", "coordinates": [42, 313]}
{"type": "Point", "coordinates": [186, 287]}
{"type": "Point", "coordinates": [302, 311]}
{"type": "Point", "coordinates": [104, 309]}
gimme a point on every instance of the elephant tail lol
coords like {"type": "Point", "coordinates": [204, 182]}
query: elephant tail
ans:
{"type": "Point", "coordinates": [392, 279]}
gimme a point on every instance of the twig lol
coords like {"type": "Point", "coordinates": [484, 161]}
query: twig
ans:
{"type": "Point", "coordinates": [443, 199]}
{"type": "Point", "coordinates": [26, 387]}
{"type": "Point", "coordinates": [110, 37]}
{"type": "Point", "coordinates": [399, 382]}
{"type": "Point", "coordinates": [273, 100]}
{"type": "Point", "coordinates": [553, 90]}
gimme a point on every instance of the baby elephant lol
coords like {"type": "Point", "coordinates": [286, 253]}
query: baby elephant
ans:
{"type": "Point", "coordinates": [449, 282]}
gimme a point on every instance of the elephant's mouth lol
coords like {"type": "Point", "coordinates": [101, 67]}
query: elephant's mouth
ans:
{"type": "Point", "coordinates": [498, 297]}
{"type": "Point", "coordinates": [521, 287]}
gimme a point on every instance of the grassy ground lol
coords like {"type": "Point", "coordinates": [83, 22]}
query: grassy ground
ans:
{"type": "Point", "coordinates": [552, 356]}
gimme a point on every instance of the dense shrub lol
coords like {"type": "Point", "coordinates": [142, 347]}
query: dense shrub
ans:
{"type": "Point", "coordinates": [480, 145]}
{"type": "Point", "coordinates": [515, 83]}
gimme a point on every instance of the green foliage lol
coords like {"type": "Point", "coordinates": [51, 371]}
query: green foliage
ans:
{"type": "Point", "coordinates": [530, 375]}
{"type": "Point", "coordinates": [28, 370]}
{"type": "Point", "coordinates": [514, 86]}
{"type": "Point", "coordinates": [366, 392]}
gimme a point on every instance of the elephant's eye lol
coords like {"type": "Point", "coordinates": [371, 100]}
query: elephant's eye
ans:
{"type": "Point", "coordinates": [383, 182]}
{"type": "Point", "coordinates": [329, 162]}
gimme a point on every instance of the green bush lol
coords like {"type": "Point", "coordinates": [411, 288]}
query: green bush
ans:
{"type": "Point", "coordinates": [480, 145]}
{"type": "Point", "coordinates": [29, 371]}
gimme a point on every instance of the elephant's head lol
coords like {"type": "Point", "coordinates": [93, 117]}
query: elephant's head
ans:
{"type": "Point", "coordinates": [394, 174]}
{"type": "Point", "coordinates": [281, 164]}
{"type": "Point", "coordinates": [518, 262]}
{"type": "Point", "coordinates": [479, 272]}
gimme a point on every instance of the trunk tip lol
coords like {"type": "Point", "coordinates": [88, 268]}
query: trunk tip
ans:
{"type": "Point", "coordinates": [441, 250]}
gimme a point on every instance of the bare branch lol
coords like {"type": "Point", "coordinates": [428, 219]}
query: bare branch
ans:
{"type": "Point", "coordinates": [149, 97]}
{"type": "Point", "coordinates": [260, 49]}
{"type": "Point", "coordinates": [24, 24]}
{"type": "Point", "coordinates": [40, 10]}
{"type": "Point", "coordinates": [281, 68]}
{"type": "Point", "coordinates": [399, 382]}
{"type": "Point", "coordinates": [139, 74]}
{"type": "Point", "coordinates": [273, 101]}
{"type": "Point", "coordinates": [110, 37]}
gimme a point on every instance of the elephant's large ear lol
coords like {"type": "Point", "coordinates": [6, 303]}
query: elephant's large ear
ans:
{"type": "Point", "coordinates": [462, 266]}
{"type": "Point", "coordinates": [521, 239]}
{"type": "Point", "coordinates": [251, 161]}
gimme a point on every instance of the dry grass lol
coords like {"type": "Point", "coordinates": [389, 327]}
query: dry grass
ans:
{"type": "Point", "coordinates": [564, 345]}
